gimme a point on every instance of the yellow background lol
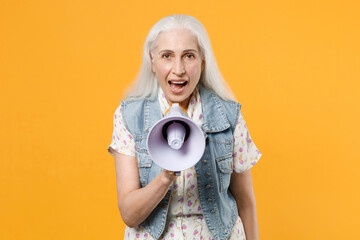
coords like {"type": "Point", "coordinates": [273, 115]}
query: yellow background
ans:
{"type": "Point", "coordinates": [64, 65]}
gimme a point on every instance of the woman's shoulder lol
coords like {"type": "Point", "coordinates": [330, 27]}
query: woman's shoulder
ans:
{"type": "Point", "coordinates": [131, 100]}
{"type": "Point", "coordinates": [215, 101]}
{"type": "Point", "coordinates": [134, 103]}
{"type": "Point", "coordinates": [207, 93]}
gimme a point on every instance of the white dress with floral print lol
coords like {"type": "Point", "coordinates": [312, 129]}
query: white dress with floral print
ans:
{"type": "Point", "coordinates": [185, 219]}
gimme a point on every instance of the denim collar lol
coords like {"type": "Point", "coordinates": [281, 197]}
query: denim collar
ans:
{"type": "Point", "coordinates": [215, 119]}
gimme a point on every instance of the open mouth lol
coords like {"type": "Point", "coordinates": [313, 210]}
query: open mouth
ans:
{"type": "Point", "coordinates": [177, 85]}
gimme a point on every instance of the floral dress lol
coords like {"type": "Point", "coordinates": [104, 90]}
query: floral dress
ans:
{"type": "Point", "coordinates": [185, 219]}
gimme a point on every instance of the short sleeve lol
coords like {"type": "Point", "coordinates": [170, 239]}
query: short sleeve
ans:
{"type": "Point", "coordinates": [245, 154]}
{"type": "Point", "coordinates": [122, 140]}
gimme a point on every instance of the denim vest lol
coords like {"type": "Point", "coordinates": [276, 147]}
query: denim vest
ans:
{"type": "Point", "coordinates": [213, 170]}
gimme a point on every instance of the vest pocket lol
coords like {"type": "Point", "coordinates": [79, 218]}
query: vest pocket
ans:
{"type": "Point", "coordinates": [144, 165]}
{"type": "Point", "coordinates": [225, 168]}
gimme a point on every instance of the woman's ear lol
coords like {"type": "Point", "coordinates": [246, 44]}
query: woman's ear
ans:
{"type": "Point", "coordinates": [152, 61]}
{"type": "Point", "coordinates": [203, 65]}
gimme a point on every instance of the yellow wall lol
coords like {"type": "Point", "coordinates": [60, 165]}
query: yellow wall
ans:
{"type": "Point", "coordinates": [294, 65]}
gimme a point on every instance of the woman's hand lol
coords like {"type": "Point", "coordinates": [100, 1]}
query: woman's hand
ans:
{"type": "Point", "coordinates": [169, 176]}
{"type": "Point", "coordinates": [136, 203]}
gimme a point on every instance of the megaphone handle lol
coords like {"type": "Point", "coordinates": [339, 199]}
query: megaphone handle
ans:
{"type": "Point", "coordinates": [178, 173]}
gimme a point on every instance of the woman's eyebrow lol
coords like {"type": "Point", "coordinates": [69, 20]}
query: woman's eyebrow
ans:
{"type": "Point", "coordinates": [166, 50]}
{"type": "Point", "coordinates": [171, 51]}
{"type": "Point", "coordinates": [190, 50]}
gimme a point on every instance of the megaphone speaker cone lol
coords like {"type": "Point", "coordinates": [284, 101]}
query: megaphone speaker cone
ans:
{"type": "Point", "coordinates": [175, 143]}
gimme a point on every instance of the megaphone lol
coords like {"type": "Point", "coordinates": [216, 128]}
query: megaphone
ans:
{"type": "Point", "coordinates": [175, 143]}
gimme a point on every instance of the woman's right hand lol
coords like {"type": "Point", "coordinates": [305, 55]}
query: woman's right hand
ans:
{"type": "Point", "coordinates": [169, 176]}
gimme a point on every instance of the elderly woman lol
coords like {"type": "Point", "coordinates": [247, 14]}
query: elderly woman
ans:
{"type": "Point", "coordinates": [213, 199]}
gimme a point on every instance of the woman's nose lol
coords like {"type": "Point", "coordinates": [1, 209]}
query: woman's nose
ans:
{"type": "Point", "coordinates": [178, 67]}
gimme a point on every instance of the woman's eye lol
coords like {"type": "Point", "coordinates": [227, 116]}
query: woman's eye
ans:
{"type": "Point", "coordinates": [166, 56]}
{"type": "Point", "coordinates": [189, 56]}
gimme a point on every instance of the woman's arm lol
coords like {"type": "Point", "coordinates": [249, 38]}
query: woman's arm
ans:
{"type": "Point", "coordinates": [136, 203]}
{"type": "Point", "coordinates": [242, 189]}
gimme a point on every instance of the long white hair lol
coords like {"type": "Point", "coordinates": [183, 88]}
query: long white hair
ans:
{"type": "Point", "coordinates": [146, 84]}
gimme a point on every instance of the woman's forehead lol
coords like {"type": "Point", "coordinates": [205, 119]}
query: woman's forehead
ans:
{"type": "Point", "coordinates": [176, 39]}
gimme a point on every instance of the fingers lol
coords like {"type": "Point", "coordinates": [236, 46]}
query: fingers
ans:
{"type": "Point", "coordinates": [171, 175]}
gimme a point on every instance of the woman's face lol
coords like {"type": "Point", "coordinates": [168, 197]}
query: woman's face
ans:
{"type": "Point", "coordinates": [177, 64]}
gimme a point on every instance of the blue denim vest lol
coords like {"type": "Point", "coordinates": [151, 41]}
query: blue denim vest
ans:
{"type": "Point", "coordinates": [213, 170]}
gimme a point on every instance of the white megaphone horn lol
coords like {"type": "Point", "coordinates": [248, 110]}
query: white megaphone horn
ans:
{"type": "Point", "coordinates": [175, 143]}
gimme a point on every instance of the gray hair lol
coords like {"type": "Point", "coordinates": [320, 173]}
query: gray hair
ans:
{"type": "Point", "coordinates": [146, 84]}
